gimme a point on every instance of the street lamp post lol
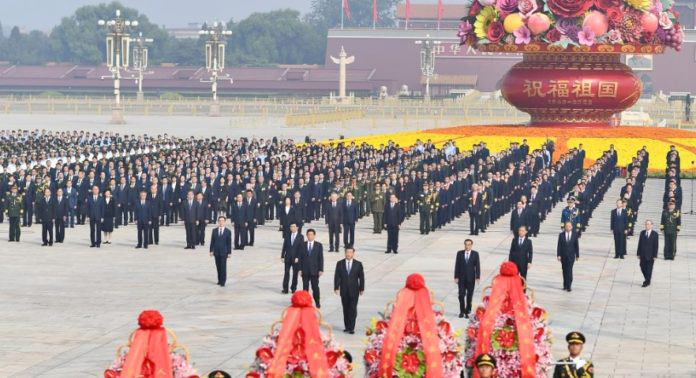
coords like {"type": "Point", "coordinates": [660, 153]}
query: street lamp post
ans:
{"type": "Point", "coordinates": [427, 61]}
{"type": "Point", "coordinates": [140, 62]}
{"type": "Point", "coordinates": [215, 59]}
{"type": "Point", "coordinates": [117, 53]}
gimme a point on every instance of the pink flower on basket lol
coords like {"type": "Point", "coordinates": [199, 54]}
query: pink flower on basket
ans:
{"type": "Point", "coordinates": [665, 21]}
{"type": "Point", "coordinates": [586, 37]}
{"type": "Point", "coordinates": [522, 35]}
{"type": "Point", "coordinates": [527, 7]}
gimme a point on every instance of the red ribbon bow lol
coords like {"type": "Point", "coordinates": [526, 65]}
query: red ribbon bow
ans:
{"type": "Point", "coordinates": [417, 297]}
{"type": "Point", "coordinates": [507, 288]}
{"type": "Point", "coordinates": [148, 355]}
{"type": "Point", "coordinates": [300, 316]}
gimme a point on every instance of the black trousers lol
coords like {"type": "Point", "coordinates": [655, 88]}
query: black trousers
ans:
{"type": "Point", "coordinates": [646, 267]}
{"type": "Point", "coordinates": [466, 294]}
{"type": "Point", "coordinates": [143, 234]}
{"type": "Point", "coordinates": [348, 235]}
{"type": "Point", "coordinates": [670, 245]}
{"type": "Point", "coordinates": [239, 236]}
{"type": "Point", "coordinates": [28, 215]}
{"type": "Point", "coordinates": [60, 230]}
{"type": "Point", "coordinates": [95, 231]}
{"type": "Point", "coordinates": [153, 235]}
{"type": "Point", "coordinates": [250, 234]}
{"type": "Point", "coordinates": [567, 267]}
{"type": "Point", "coordinates": [619, 244]}
{"type": "Point", "coordinates": [334, 236]}
{"type": "Point", "coordinates": [314, 281]}
{"type": "Point", "coordinates": [47, 232]}
{"type": "Point", "coordinates": [190, 233]}
{"type": "Point", "coordinates": [121, 215]}
{"type": "Point", "coordinates": [424, 222]}
{"type": "Point", "coordinates": [14, 229]}
{"type": "Point", "coordinates": [350, 311]}
{"type": "Point", "coordinates": [474, 222]}
{"type": "Point", "coordinates": [200, 233]}
{"type": "Point", "coordinates": [221, 267]}
{"type": "Point", "coordinates": [286, 276]}
{"type": "Point", "coordinates": [392, 239]}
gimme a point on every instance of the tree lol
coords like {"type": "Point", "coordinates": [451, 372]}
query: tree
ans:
{"type": "Point", "coordinates": [275, 37]}
{"type": "Point", "coordinates": [326, 14]}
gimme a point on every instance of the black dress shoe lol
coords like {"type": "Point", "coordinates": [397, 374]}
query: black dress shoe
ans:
{"type": "Point", "coordinates": [44, 244]}
{"type": "Point", "coordinates": [396, 253]}
{"type": "Point", "coordinates": [387, 252]}
{"type": "Point", "coordinates": [345, 331]}
{"type": "Point", "coordinates": [466, 316]}
{"type": "Point", "coordinates": [616, 257]}
{"type": "Point", "coordinates": [461, 315]}
{"type": "Point", "coordinates": [351, 332]}
{"type": "Point", "coordinates": [284, 292]}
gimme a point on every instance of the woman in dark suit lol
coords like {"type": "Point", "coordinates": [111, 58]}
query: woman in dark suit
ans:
{"type": "Point", "coordinates": [109, 214]}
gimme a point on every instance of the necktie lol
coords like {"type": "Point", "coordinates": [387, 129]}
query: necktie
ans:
{"type": "Point", "coordinates": [310, 248]}
{"type": "Point", "coordinates": [220, 232]}
{"type": "Point", "coordinates": [520, 241]}
{"type": "Point", "coordinates": [292, 239]}
{"type": "Point", "coordinates": [467, 256]}
{"type": "Point", "coordinates": [142, 203]}
{"type": "Point", "coordinates": [618, 212]}
{"type": "Point", "coordinates": [567, 236]}
{"type": "Point", "coordinates": [348, 266]}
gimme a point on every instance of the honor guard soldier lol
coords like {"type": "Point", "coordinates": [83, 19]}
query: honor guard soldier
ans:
{"type": "Point", "coordinates": [485, 364]}
{"type": "Point", "coordinates": [571, 215]}
{"type": "Point", "coordinates": [574, 366]}
{"type": "Point", "coordinates": [424, 198]}
{"type": "Point", "coordinates": [377, 206]}
{"type": "Point", "coordinates": [15, 210]}
{"type": "Point", "coordinates": [670, 225]}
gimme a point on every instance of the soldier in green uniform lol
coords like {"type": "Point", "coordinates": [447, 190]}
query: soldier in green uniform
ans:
{"type": "Point", "coordinates": [15, 210]}
{"type": "Point", "coordinates": [434, 205]}
{"type": "Point", "coordinates": [485, 364]}
{"type": "Point", "coordinates": [377, 205]}
{"type": "Point", "coordinates": [574, 366]}
{"type": "Point", "coordinates": [670, 225]}
{"type": "Point", "coordinates": [424, 198]}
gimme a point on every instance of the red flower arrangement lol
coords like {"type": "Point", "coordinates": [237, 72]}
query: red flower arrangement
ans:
{"type": "Point", "coordinates": [569, 8]}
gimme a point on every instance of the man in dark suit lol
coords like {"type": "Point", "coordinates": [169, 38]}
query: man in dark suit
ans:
{"type": "Point", "coordinates": [393, 217]}
{"type": "Point", "coordinates": [349, 282]}
{"type": "Point", "coordinates": [333, 218]}
{"type": "Point", "coordinates": [201, 218]}
{"type": "Point", "coordinates": [251, 207]}
{"type": "Point", "coordinates": [519, 218]}
{"type": "Point", "coordinates": [156, 209]}
{"type": "Point", "coordinates": [143, 219]}
{"type": "Point", "coordinates": [567, 252]}
{"type": "Point", "coordinates": [467, 272]}
{"type": "Point", "coordinates": [312, 264]}
{"type": "Point", "coordinates": [521, 251]}
{"type": "Point", "coordinates": [188, 213]}
{"type": "Point", "coordinates": [239, 220]}
{"type": "Point", "coordinates": [647, 251]}
{"type": "Point", "coordinates": [350, 216]}
{"type": "Point", "coordinates": [95, 212]}
{"type": "Point", "coordinates": [619, 226]}
{"type": "Point", "coordinates": [290, 256]}
{"type": "Point", "coordinates": [46, 214]}
{"type": "Point", "coordinates": [475, 210]}
{"type": "Point", "coordinates": [221, 249]}
{"type": "Point", "coordinates": [62, 213]}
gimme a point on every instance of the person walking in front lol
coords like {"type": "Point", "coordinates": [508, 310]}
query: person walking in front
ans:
{"type": "Point", "coordinates": [647, 251]}
{"type": "Point", "coordinates": [290, 257]}
{"type": "Point", "coordinates": [567, 252]}
{"type": "Point", "coordinates": [619, 227]}
{"type": "Point", "coordinates": [312, 265]}
{"type": "Point", "coordinates": [467, 272]}
{"type": "Point", "coordinates": [95, 212]}
{"type": "Point", "coordinates": [349, 283]}
{"type": "Point", "coordinates": [393, 217]}
{"type": "Point", "coordinates": [221, 249]}
{"type": "Point", "coordinates": [521, 251]}
{"type": "Point", "coordinates": [143, 219]}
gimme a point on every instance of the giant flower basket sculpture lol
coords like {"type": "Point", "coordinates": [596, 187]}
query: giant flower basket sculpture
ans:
{"type": "Point", "coordinates": [149, 354]}
{"type": "Point", "coordinates": [299, 348]}
{"type": "Point", "coordinates": [413, 340]}
{"type": "Point", "coordinates": [511, 327]}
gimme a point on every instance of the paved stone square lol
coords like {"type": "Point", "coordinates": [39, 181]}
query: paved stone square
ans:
{"type": "Point", "coordinates": [65, 309]}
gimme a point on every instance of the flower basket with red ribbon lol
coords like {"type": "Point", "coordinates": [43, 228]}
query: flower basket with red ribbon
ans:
{"type": "Point", "coordinates": [298, 348]}
{"type": "Point", "coordinates": [413, 340]}
{"type": "Point", "coordinates": [509, 326]}
{"type": "Point", "coordinates": [150, 354]}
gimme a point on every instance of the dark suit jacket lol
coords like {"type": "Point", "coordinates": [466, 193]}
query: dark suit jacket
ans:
{"type": "Point", "coordinates": [311, 264]}
{"type": "Point", "coordinates": [291, 251]}
{"type": "Point", "coordinates": [239, 213]}
{"type": "Point", "coordinates": [95, 209]}
{"type": "Point", "coordinates": [619, 223]}
{"type": "Point", "coordinates": [647, 247]}
{"type": "Point", "coordinates": [521, 254]}
{"type": "Point", "coordinates": [350, 213]}
{"type": "Point", "coordinates": [45, 210]}
{"type": "Point", "coordinates": [202, 211]}
{"type": "Point", "coordinates": [188, 214]}
{"type": "Point", "coordinates": [221, 245]}
{"type": "Point", "coordinates": [334, 215]}
{"type": "Point", "coordinates": [142, 213]}
{"type": "Point", "coordinates": [393, 216]}
{"type": "Point", "coordinates": [519, 220]}
{"type": "Point", "coordinates": [465, 272]}
{"type": "Point", "coordinates": [568, 250]}
{"type": "Point", "coordinates": [62, 207]}
{"type": "Point", "coordinates": [350, 284]}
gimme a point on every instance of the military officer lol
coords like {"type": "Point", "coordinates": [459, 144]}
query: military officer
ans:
{"type": "Point", "coordinates": [424, 198]}
{"type": "Point", "coordinates": [670, 225]}
{"type": "Point", "coordinates": [377, 206]}
{"type": "Point", "coordinates": [574, 366]}
{"type": "Point", "coordinates": [15, 210]}
{"type": "Point", "coordinates": [572, 215]}
{"type": "Point", "coordinates": [485, 364]}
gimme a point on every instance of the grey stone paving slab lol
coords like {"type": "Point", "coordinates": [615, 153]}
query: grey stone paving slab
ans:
{"type": "Point", "coordinates": [66, 309]}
